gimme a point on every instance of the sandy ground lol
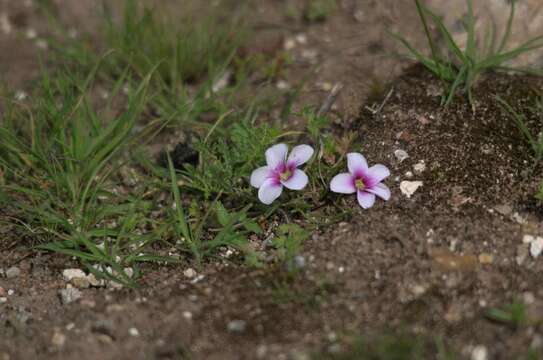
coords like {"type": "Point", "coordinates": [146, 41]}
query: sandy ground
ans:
{"type": "Point", "coordinates": [431, 264]}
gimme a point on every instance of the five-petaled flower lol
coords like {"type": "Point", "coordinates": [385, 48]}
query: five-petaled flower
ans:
{"type": "Point", "coordinates": [366, 182]}
{"type": "Point", "coordinates": [281, 171]}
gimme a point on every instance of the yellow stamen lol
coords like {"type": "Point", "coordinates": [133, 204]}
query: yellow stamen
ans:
{"type": "Point", "coordinates": [359, 184]}
{"type": "Point", "coordinates": [286, 175]}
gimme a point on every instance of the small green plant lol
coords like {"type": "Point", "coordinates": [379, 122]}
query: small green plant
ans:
{"type": "Point", "coordinates": [319, 10]}
{"type": "Point", "coordinates": [194, 61]}
{"type": "Point", "coordinates": [513, 315]}
{"type": "Point", "coordinates": [196, 237]}
{"type": "Point", "coordinates": [535, 141]}
{"type": "Point", "coordinates": [288, 242]}
{"type": "Point", "coordinates": [228, 155]}
{"type": "Point", "coordinates": [458, 67]}
{"type": "Point", "coordinates": [383, 347]}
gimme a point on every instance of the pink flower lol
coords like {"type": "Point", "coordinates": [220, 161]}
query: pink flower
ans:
{"type": "Point", "coordinates": [366, 182]}
{"type": "Point", "coordinates": [281, 171]}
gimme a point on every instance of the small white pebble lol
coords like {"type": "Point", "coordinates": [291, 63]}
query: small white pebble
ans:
{"type": "Point", "coordinates": [528, 238]}
{"type": "Point", "coordinates": [536, 247]}
{"type": "Point", "coordinates": [190, 273]}
{"type": "Point", "coordinates": [401, 155]}
{"type": "Point", "coordinates": [20, 95]}
{"type": "Point", "coordinates": [31, 33]}
{"type": "Point", "coordinates": [133, 331]}
{"type": "Point", "coordinates": [42, 44]}
{"type": "Point", "coordinates": [187, 315]}
{"type": "Point", "coordinates": [419, 167]}
{"type": "Point", "coordinates": [289, 44]}
{"type": "Point", "coordinates": [70, 326]}
{"type": "Point", "coordinates": [3, 299]}
{"type": "Point", "coordinates": [11, 292]}
{"type": "Point", "coordinates": [341, 269]}
{"type": "Point", "coordinates": [479, 353]}
{"type": "Point", "coordinates": [301, 39]}
{"type": "Point", "coordinates": [409, 175]}
{"type": "Point", "coordinates": [408, 188]}
{"type": "Point", "coordinates": [282, 85]}
{"type": "Point", "coordinates": [5, 24]}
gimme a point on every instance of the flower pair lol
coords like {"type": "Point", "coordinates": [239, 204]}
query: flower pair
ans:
{"type": "Point", "coordinates": [282, 170]}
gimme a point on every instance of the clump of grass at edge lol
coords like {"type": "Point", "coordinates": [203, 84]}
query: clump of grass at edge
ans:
{"type": "Point", "coordinates": [460, 68]}
{"type": "Point", "coordinates": [60, 157]}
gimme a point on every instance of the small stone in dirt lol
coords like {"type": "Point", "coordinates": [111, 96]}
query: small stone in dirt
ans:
{"type": "Point", "coordinates": [133, 332]}
{"type": "Point", "coordinates": [13, 272]}
{"type": "Point", "coordinates": [301, 39]}
{"type": "Point", "coordinates": [190, 273]}
{"type": "Point", "coordinates": [289, 44]}
{"type": "Point", "coordinates": [58, 338]}
{"type": "Point", "coordinates": [69, 274]}
{"type": "Point", "coordinates": [419, 167]}
{"type": "Point", "coordinates": [103, 326]}
{"type": "Point", "coordinates": [282, 85]}
{"type": "Point", "coordinates": [81, 282]}
{"type": "Point", "coordinates": [485, 258]}
{"type": "Point", "coordinates": [445, 260]}
{"type": "Point", "coordinates": [527, 238]}
{"type": "Point", "coordinates": [479, 353]}
{"type": "Point", "coordinates": [297, 263]}
{"type": "Point", "coordinates": [3, 299]}
{"type": "Point", "coordinates": [69, 295]}
{"type": "Point", "coordinates": [536, 247]}
{"type": "Point", "coordinates": [504, 209]}
{"type": "Point", "coordinates": [2, 291]}
{"type": "Point", "coordinates": [408, 188]}
{"type": "Point", "coordinates": [93, 281]}
{"type": "Point", "coordinates": [401, 155]}
{"type": "Point", "coordinates": [237, 326]}
{"type": "Point", "coordinates": [187, 315]}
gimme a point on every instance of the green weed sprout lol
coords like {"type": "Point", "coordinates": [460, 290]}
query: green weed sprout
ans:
{"type": "Point", "coordinates": [195, 238]}
{"type": "Point", "coordinates": [534, 140]}
{"type": "Point", "coordinates": [513, 314]}
{"type": "Point", "coordinates": [458, 67]}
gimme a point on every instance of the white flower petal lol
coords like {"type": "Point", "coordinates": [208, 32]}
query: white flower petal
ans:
{"type": "Point", "coordinates": [365, 199]}
{"type": "Point", "coordinates": [259, 175]}
{"type": "Point", "coordinates": [300, 154]}
{"type": "Point", "coordinates": [276, 155]}
{"type": "Point", "coordinates": [356, 163]}
{"type": "Point", "coordinates": [377, 173]}
{"type": "Point", "coordinates": [297, 181]}
{"type": "Point", "coordinates": [343, 183]}
{"type": "Point", "coordinates": [380, 190]}
{"type": "Point", "coordinates": [269, 191]}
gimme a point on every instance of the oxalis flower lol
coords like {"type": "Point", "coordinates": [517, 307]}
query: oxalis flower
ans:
{"type": "Point", "coordinates": [281, 171]}
{"type": "Point", "coordinates": [364, 181]}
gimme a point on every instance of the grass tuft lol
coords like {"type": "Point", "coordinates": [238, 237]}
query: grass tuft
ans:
{"type": "Point", "coordinates": [59, 160]}
{"type": "Point", "coordinates": [460, 68]}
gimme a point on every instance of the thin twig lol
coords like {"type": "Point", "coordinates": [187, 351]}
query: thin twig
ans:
{"type": "Point", "coordinates": [330, 99]}
{"type": "Point", "coordinates": [376, 112]}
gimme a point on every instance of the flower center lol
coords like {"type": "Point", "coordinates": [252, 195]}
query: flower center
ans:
{"type": "Point", "coordinates": [284, 176]}
{"type": "Point", "coordinates": [359, 184]}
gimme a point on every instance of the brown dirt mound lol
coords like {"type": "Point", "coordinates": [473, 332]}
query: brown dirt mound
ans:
{"type": "Point", "coordinates": [472, 156]}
